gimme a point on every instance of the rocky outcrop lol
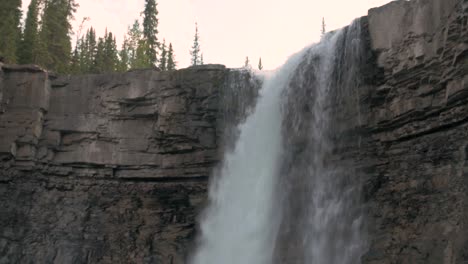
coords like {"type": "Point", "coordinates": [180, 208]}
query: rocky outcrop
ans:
{"type": "Point", "coordinates": [110, 168]}
{"type": "Point", "coordinates": [417, 120]}
{"type": "Point", "coordinates": [403, 132]}
{"type": "Point", "coordinates": [114, 168]}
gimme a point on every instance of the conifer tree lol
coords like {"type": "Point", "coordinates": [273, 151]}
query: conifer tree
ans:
{"type": "Point", "coordinates": [75, 61]}
{"type": "Point", "coordinates": [141, 59]}
{"type": "Point", "coordinates": [10, 31]}
{"type": "Point", "coordinates": [87, 48]}
{"type": "Point", "coordinates": [134, 36]}
{"type": "Point", "coordinates": [124, 58]}
{"type": "Point", "coordinates": [138, 48]}
{"type": "Point", "coordinates": [323, 31]}
{"type": "Point", "coordinates": [247, 62]}
{"type": "Point", "coordinates": [260, 65]}
{"type": "Point", "coordinates": [111, 53]}
{"type": "Point", "coordinates": [163, 59]}
{"type": "Point", "coordinates": [55, 50]}
{"type": "Point", "coordinates": [201, 59]}
{"type": "Point", "coordinates": [29, 44]}
{"type": "Point", "coordinates": [195, 51]}
{"type": "Point", "coordinates": [171, 64]}
{"type": "Point", "coordinates": [106, 54]}
{"type": "Point", "coordinates": [150, 31]}
{"type": "Point", "coordinates": [99, 61]}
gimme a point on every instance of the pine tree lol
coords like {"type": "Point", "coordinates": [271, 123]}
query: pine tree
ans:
{"type": "Point", "coordinates": [195, 52]}
{"type": "Point", "coordinates": [106, 54]}
{"type": "Point", "coordinates": [29, 44]}
{"type": "Point", "coordinates": [150, 31]}
{"type": "Point", "coordinates": [124, 58]}
{"type": "Point", "coordinates": [141, 59]}
{"type": "Point", "coordinates": [55, 50]}
{"type": "Point", "coordinates": [138, 48]}
{"type": "Point", "coordinates": [163, 59]}
{"type": "Point", "coordinates": [111, 53]}
{"type": "Point", "coordinates": [201, 59]}
{"type": "Point", "coordinates": [323, 30]}
{"type": "Point", "coordinates": [134, 36]}
{"type": "Point", "coordinates": [10, 31]}
{"type": "Point", "coordinates": [260, 65]}
{"type": "Point", "coordinates": [75, 61]}
{"type": "Point", "coordinates": [87, 48]}
{"type": "Point", "coordinates": [171, 64]}
{"type": "Point", "coordinates": [99, 61]}
{"type": "Point", "coordinates": [247, 62]}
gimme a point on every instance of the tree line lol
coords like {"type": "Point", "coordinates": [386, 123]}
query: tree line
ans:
{"type": "Point", "coordinates": [45, 40]}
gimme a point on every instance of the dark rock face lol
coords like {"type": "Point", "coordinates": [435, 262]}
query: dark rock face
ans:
{"type": "Point", "coordinates": [114, 168]}
{"type": "Point", "coordinates": [417, 119]}
{"type": "Point", "coordinates": [110, 168]}
{"type": "Point", "coordinates": [403, 132]}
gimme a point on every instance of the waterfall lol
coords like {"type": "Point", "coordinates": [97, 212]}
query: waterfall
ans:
{"type": "Point", "coordinates": [281, 195]}
{"type": "Point", "coordinates": [321, 216]}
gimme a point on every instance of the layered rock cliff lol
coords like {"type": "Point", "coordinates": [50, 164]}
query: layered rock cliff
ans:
{"type": "Point", "coordinates": [114, 168]}
{"type": "Point", "coordinates": [111, 168]}
{"type": "Point", "coordinates": [417, 120]}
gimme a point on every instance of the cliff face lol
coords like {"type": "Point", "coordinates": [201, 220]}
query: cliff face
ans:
{"type": "Point", "coordinates": [114, 168]}
{"type": "Point", "coordinates": [417, 123]}
{"type": "Point", "coordinates": [402, 131]}
{"type": "Point", "coordinates": [111, 168]}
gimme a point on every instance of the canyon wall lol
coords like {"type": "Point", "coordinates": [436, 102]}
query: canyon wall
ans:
{"type": "Point", "coordinates": [114, 168]}
{"type": "Point", "coordinates": [417, 121]}
{"type": "Point", "coordinates": [111, 168]}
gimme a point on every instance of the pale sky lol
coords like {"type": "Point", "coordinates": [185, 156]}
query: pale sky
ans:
{"type": "Point", "coordinates": [229, 30]}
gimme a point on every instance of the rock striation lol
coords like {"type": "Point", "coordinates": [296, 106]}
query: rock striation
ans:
{"type": "Point", "coordinates": [402, 133]}
{"type": "Point", "coordinates": [417, 123]}
{"type": "Point", "coordinates": [114, 168]}
{"type": "Point", "coordinates": [111, 168]}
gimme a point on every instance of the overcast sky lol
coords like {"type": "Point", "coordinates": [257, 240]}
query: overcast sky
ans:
{"type": "Point", "coordinates": [229, 30]}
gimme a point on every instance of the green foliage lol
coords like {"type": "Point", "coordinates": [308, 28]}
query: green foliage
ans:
{"type": "Point", "coordinates": [107, 59]}
{"type": "Point", "coordinates": [163, 60]}
{"type": "Point", "coordinates": [84, 55]}
{"type": "Point", "coordinates": [91, 56]}
{"type": "Point", "coordinates": [29, 45]}
{"type": "Point", "coordinates": [138, 48]}
{"type": "Point", "coordinates": [150, 31]}
{"type": "Point", "coordinates": [48, 42]}
{"type": "Point", "coordinates": [10, 31]}
{"type": "Point", "coordinates": [55, 43]}
{"type": "Point", "coordinates": [260, 65]}
{"type": "Point", "coordinates": [171, 64]}
{"type": "Point", "coordinates": [195, 51]}
{"type": "Point", "coordinates": [124, 59]}
{"type": "Point", "coordinates": [142, 59]}
{"type": "Point", "coordinates": [75, 62]}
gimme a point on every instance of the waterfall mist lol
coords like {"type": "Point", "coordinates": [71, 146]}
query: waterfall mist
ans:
{"type": "Point", "coordinates": [320, 190]}
{"type": "Point", "coordinates": [282, 195]}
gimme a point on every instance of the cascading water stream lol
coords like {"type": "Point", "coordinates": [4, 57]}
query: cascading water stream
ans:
{"type": "Point", "coordinates": [239, 225]}
{"type": "Point", "coordinates": [322, 220]}
{"type": "Point", "coordinates": [279, 197]}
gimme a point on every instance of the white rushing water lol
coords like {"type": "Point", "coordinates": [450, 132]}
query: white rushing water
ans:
{"type": "Point", "coordinates": [239, 226]}
{"type": "Point", "coordinates": [245, 221]}
{"type": "Point", "coordinates": [332, 232]}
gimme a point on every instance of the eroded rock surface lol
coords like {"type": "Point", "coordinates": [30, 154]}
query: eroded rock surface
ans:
{"type": "Point", "coordinates": [114, 168]}
{"type": "Point", "coordinates": [111, 168]}
{"type": "Point", "coordinates": [417, 122]}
